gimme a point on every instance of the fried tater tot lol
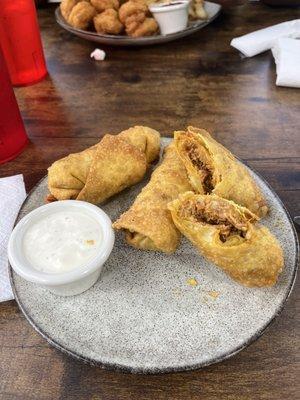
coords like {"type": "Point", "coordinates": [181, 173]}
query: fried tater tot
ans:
{"type": "Point", "coordinates": [66, 7]}
{"type": "Point", "coordinates": [82, 15]}
{"type": "Point", "coordinates": [108, 22]}
{"type": "Point", "coordinates": [102, 5]}
{"type": "Point", "coordinates": [133, 10]}
{"type": "Point", "coordinates": [133, 15]}
{"type": "Point", "coordinates": [148, 27]}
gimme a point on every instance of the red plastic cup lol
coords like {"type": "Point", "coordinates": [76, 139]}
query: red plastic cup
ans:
{"type": "Point", "coordinates": [13, 136]}
{"type": "Point", "coordinates": [20, 40]}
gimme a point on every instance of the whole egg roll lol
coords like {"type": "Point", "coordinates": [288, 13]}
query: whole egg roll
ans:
{"type": "Point", "coordinates": [227, 234]}
{"type": "Point", "coordinates": [148, 223]}
{"type": "Point", "coordinates": [213, 169]}
{"type": "Point", "coordinates": [105, 169]}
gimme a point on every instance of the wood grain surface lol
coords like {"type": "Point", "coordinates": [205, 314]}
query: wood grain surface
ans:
{"type": "Point", "coordinates": [198, 80]}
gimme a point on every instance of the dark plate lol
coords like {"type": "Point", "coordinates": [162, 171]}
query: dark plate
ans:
{"type": "Point", "coordinates": [213, 10]}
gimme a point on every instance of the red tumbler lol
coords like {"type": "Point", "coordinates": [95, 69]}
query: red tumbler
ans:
{"type": "Point", "coordinates": [13, 137]}
{"type": "Point", "coordinates": [20, 40]}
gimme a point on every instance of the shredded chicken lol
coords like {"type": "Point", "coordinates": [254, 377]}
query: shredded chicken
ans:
{"type": "Point", "coordinates": [200, 159]}
{"type": "Point", "coordinates": [215, 212]}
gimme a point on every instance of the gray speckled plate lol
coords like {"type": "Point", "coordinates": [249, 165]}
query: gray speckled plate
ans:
{"type": "Point", "coordinates": [212, 9]}
{"type": "Point", "coordinates": [143, 316]}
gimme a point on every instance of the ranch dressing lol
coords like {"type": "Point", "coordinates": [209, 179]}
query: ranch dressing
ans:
{"type": "Point", "coordinates": [62, 241]}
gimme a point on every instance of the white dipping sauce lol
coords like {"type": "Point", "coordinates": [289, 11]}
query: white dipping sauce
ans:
{"type": "Point", "coordinates": [62, 241]}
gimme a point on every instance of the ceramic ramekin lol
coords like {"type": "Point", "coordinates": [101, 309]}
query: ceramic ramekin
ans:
{"type": "Point", "coordinates": [171, 17]}
{"type": "Point", "coordinates": [66, 283]}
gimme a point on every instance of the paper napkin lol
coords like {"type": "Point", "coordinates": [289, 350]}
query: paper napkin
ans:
{"type": "Point", "coordinates": [264, 39]}
{"type": "Point", "coordinates": [12, 195]}
{"type": "Point", "coordinates": [286, 53]}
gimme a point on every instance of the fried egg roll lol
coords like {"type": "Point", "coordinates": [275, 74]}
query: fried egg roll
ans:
{"type": "Point", "coordinates": [105, 169]}
{"type": "Point", "coordinates": [148, 224]}
{"type": "Point", "coordinates": [213, 169]}
{"type": "Point", "coordinates": [227, 234]}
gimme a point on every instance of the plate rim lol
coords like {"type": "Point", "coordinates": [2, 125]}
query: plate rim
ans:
{"type": "Point", "coordinates": [150, 370]}
{"type": "Point", "coordinates": [123, 40]}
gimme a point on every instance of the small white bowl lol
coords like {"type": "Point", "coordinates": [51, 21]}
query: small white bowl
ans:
{"type": "Point", "coordinates": [171, 17]}
{"type": "Point", "coordinates": [70, 282]}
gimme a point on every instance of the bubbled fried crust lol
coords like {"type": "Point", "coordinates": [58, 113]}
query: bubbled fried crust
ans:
{"type": "Point", "coordinates": [116, 165]}
{"type": "Point", "coordinates": [108, 22]}
{"type": "Point", "coordinates": [66, 7]}
{"type": "Point", "coordinates": [105, 168]}
{"type": "Point", "coordinates": [229, 178]}
{"type": "Point", "coordinates": [82, 15]}
{"type": "Point", "coordinates": [144, 138]}
{"type": "Point", "coordinates": [148, 27]}
{"type": "Point", "coordinates": [102, 5]}
{"type": "Point", "coordinates": [133, 15]}
{"type": "Point", "coordinates": [247, 252]}
{"type": "Point", "coordinates": [148, 223]}
{"type": "Point", "coordinates": [133, 10]}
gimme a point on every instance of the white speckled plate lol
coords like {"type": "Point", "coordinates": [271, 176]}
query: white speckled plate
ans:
{"type": "Point", "coordinates": [142, 315]}
{"type": "Point", "coordinates": [212, 9]}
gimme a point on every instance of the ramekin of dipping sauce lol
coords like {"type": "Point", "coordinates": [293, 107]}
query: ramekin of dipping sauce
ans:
{"type": "Point", "coordinates": [62, 246]}
{"type": "Point", "coordinates": [172, 16]}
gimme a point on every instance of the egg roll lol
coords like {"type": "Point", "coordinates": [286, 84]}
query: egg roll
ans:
{"type": "Point", "coordinates": [213, 169]}
{"type": "Point", "coordinates": [227, 234]}
{"type": "Point", "coordinates": [99, 172]}
{"type": "Point", "coordinates": [148, 224]}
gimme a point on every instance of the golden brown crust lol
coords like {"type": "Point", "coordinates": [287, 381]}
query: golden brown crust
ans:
{"type": "Point", "coordinates": [134, 10]}
{"type": "Point", "coordinates": [66, 7]}
{"type": "Point", "coordinates": [144, 138]}
{"type": "Point", "coordinates": [228, 177]}
{"type": "Point", "coordinates": [251, 255]}
{"type": "Point", "coordinates": [82, 15]}
{"type": "Point", "coordinates": [108, 22]}
{"type": "Point", "coordinates": [148, 27]}
{"type": "Point", "coordinates": [134, 15]}
{"type": "Point", "coordinates": [102, 5]}
{"type": "Point", "coordinates": [148, 223]}
{"type": "Point", "coordinates": [67, 176]}
{"type": "Point", "coordinates": [115, 166]}
{"type": "Point", "coordinates": [105, 169]}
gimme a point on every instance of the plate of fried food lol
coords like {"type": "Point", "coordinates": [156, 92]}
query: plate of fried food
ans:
{"type": "Point", "coordinates": [205, 254]}
{"type": "Point", "coordinates": [130, 22]}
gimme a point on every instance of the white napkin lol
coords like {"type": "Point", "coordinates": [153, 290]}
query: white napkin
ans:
{"type": "Point", "coordinates": [12, 195]}
{"type": "Point", "coordinates": [264, 39]}
{"type": "Point", "coordinates": [286, 53]}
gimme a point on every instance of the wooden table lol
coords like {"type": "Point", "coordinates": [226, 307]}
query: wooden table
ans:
{"type": "Point", "coordinates": [199, 80]}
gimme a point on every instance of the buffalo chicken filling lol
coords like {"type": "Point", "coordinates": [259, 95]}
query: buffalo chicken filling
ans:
{"type": "Point", "coordinates": [215, 212]}
{"type": "Point", "coordinates": [200, 158]}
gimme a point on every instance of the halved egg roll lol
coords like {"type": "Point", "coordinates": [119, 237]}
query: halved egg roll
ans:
{"type": "Point", "coordinates": [213, 169]}
{"type": "Point", "coordinates": [105, 169]}
{"type": "Point", "coordinates": [148, 224]}
{"type": "Point", "coordinates": [227, 234]}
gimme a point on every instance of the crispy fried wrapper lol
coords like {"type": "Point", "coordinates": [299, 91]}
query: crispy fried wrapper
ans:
{"type": "Point", "coordinates": [227, 235]}
{"type": "Point", "coordinates": [213, 169]}
{"type": "Point", "coordinates": [105, 169]}
{"type": "Point", "coordinates": [148, 224]}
